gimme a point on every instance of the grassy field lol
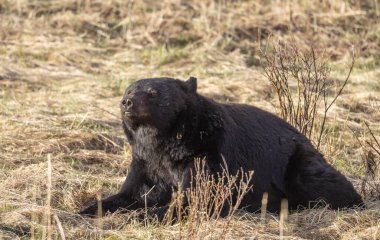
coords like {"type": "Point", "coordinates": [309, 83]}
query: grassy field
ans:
{"type": "Point", "coordinates": [64, 66]}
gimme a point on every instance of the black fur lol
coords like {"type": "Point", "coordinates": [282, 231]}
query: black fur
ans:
{"type": "Point", "coordinates": [168, 124]}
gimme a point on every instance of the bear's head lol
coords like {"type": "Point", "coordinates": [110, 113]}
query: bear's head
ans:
{"type": "Point", "coordinates": [156, 102]}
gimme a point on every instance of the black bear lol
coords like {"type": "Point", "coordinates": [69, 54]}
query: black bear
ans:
{"type": "Point", "coordinates": [168, 125]}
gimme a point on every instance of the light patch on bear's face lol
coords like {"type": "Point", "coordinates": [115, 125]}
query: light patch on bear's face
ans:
{"type": "Point", "coordinates": [151, 91]}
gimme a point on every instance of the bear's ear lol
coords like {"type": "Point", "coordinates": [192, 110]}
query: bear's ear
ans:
{"type": "Point", "coordinates": [191, 84]}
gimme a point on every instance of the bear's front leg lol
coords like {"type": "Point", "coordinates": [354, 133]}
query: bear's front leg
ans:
{"type": "Point", "coordinates": [110, 204]}
{"type": "Point", "coordinates": [126, 198]}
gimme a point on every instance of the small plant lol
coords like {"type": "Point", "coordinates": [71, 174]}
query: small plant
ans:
{"type": "Point", "coordinates": [300, 78]}
{"type": "Point", "coordinates": [371, 159]}
{"type": "Point", "coordinates": [209, 197]}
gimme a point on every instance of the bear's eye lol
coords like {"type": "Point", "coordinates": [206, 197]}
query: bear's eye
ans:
{"type": "Point", "coordinates": [152, 92]}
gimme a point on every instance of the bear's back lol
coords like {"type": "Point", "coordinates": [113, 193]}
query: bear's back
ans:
{"type": "Point", "coordinates": [257, 140]}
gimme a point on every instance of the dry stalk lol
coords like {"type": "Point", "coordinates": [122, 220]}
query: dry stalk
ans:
{"type": "Point", "coordinates": [34, 216]}
{"type": "Point", "coordinates": [48, 201]}
{"type": "Point", "coordinates": [283, 218]}
{"type": "Point", "coordinates": [100, 210]}
{"type": "Point", "coordinates": [60, 228]}
{"type": "Point", "coordinates": [264, 204]}
{"type": "Point", "coordinates": [146, 218]}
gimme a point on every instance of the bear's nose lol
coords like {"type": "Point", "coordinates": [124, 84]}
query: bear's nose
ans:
{"type": "Point", "coordinates": [127, 103]}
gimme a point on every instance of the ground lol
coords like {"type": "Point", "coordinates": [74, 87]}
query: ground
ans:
{"type": "Point", "coordinates": [64, 66]}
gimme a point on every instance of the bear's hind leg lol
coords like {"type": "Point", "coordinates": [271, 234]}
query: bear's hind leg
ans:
{"type": "Point", "coordinates": [310, 179]}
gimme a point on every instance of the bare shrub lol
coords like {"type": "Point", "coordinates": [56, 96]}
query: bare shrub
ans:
{"type": "Point", "coordinates": [371, 160]}
{"type": "Point", "coordinates": [209, 197]}
{"type": "Point", "coordinates": [300, 78]}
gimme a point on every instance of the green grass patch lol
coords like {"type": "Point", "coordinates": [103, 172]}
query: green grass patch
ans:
{"type": "Point", "coordinates": [163, 55]}
{"type": "Point", "coordinates": [366, 65]}
{"type": "Point", "coordinates": [117, 85]}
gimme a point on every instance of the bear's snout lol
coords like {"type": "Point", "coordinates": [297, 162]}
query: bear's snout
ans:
{"type": "Point", "coordinates": [127, 104]}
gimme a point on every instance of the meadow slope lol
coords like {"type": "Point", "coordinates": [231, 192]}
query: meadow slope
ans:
{"type": "Point", "coordinates": [64, 66]}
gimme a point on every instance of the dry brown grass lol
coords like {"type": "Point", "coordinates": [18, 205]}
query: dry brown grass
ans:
{"type": "Point", "coordinates": [65, 64]}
